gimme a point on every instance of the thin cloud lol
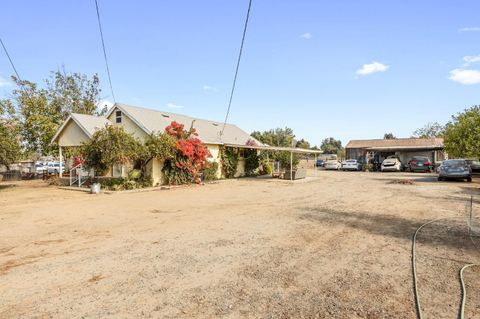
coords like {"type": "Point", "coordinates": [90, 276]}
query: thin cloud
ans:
{"type": "Point", "coordinates": [306, 35]}
{"type": "Point", "coordinates": [469, 29]}
{"type": "Point", "coordinates": [174, 106]}
{"type": "Point", "coordinates": [208, 88]}
{"type": "Point", "coordinates": [4, 82]}
{"type": "Point", "coordinates": [371, 68]}
{"type": "Point", "coordinates": [465, 76]}
{"type": "Point", "coordinates": [470, 59]}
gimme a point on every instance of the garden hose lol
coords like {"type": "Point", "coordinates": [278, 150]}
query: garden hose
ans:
{"type": "Point", "coordinates": [414, 269]}
{"type": "Point", "coordinates": [464, 290]}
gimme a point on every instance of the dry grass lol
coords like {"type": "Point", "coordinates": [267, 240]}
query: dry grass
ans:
{"type": "Point", "coordinates": [333, 247]}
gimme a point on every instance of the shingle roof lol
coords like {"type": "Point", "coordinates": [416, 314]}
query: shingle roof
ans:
{"type": "Point", "coordinates": [397, 143]}
{"type": "Point", "coordinates": [208, 131]}
{"type": "Point", "coordinates": [90, 123]}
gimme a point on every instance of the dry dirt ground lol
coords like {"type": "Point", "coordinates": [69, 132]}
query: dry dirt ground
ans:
{"type": "Point", "coordinates": [335, 246]}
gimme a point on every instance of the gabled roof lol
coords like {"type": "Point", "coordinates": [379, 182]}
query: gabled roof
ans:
{"type": "Point", "coordinates": [397, 143]}
{"type": "Point", "coordinates": [88, 123]}
{"type": "Point", "coordinates": [208, 131]}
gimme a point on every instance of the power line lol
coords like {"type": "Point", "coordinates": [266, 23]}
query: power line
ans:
{"type": "Point", "coordinates": [238, 65]}
{"type": "Point", "coordinates": [10, 59]}
{"type": "Point", "coordinates": [104, 51]}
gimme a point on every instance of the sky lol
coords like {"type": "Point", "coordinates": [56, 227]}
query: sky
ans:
{"type": "Point", "coordinates": [343, 68]}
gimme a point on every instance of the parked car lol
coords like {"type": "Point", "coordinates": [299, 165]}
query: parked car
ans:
{"type": "Point", "coordinates": [391, 163]}
{"type": "Point", "coordinates": [40, 167]}
{"type": "Point", "coordinates": [351, 165]}
{"type": "Point", "coordinates": [333, 164]}
{"type": "Point", "coordinates": [320, 163]}
{"type": "Point", "coordinates": [54, 167]}
{"type": "Point", "coordinates": [455, 169]}
{"type": "Point", "coordinates": [474, 165]}
{"type": "Point", "coordinates": [419, 163]}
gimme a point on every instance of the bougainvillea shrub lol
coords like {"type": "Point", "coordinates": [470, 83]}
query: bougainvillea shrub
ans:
{"type": "Point", "coordinates": [190, 158]}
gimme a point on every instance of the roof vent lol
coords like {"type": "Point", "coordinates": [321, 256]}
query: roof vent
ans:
{"type": "Point", "coordinates": [215, 124]}
{"type": "Point", "coordinates": [165, 115]}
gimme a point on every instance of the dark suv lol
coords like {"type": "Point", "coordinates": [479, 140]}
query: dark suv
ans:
{"type": "Point", "coordinates": [419, 164]}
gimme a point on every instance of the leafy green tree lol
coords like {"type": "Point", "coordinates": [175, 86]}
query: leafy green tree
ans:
{"type": "Point", "coordinates": [74, 93]}
{"type": "Point", "coordinates": [430, 130]}
{"type": "Point", "coordinates": [275, 137]}
{"type": "Point", "coordinates": [462, 134]}
{"type": "Point", "coordinates": [111, 146]}
{"type": "Point", "coordinates": [303, 144]}
{"type": "Point", "coordinates": [282, 138]}
{"type": "Point", "coordinates": [41, 111]}
{"type": "Point", "coordinates": [38, 119]}
{"type": "Point", "coordinates": [331, 146]}
{"type": "Point", "coordinates": [389, 136]}
{"type": "Point", "coordinates": [10, 149]}
{"type": "Point", "coordinates": [157, 145]}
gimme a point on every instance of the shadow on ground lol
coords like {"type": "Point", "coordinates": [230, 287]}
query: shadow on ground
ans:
{"type": "Point", "coordinates": [392, 226]}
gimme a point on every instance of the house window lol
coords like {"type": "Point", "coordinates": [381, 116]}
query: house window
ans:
{"type": "Point", "coordinates": [118, 117]}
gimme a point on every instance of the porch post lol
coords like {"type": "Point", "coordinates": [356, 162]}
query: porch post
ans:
{"type": "Point", "coordinates": [61, 160]}
{"type": "Point", "coordinates": [291, 165]}
{"type": "Point", "coordinates": [268, 162]}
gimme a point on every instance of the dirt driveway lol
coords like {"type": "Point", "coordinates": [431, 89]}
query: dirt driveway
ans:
{"type": "Point", "coordinates": [338, 246]}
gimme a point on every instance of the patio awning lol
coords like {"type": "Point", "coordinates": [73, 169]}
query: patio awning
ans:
{"type": "Point", "coordinates": [403, 148]}
{"type": "Point", "coordinates": [277, 148]}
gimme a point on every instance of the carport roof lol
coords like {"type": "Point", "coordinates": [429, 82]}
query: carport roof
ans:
{"type": "Point", "coordinates": [397, 144]}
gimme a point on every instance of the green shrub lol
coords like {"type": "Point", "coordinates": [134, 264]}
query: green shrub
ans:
{"type": "Point", "coordinates": [267, 168]}
{"type": "Point", "coordinates": [230, 157]}
{"type": "Point", "coordinates": [120, 183]}
{"type": "Point", "coordinates": [367, 167]}
{"type": "Point", "coordinates": [134, 174]}
{"type": "Point", "coordinates": [252, 162]}
{"type": "Point", "coordinates": [210, 172]}
{"type": "Point", "coordinates": [284, 158]}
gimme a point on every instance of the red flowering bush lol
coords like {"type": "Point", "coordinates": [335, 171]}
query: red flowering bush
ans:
{"type": "Point", "coordinates": [190, 159]}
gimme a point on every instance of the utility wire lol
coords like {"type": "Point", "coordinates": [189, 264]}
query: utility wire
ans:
{"type": "Point", "coordinates": [104, 51]}
{"type": "Point", "coordinates": [238, 65]}
{"type": "Point", "coordinates": [10, 59]}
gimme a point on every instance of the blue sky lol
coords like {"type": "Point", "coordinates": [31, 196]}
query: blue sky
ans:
{"type": "Point", "coordinates": [348, 69]}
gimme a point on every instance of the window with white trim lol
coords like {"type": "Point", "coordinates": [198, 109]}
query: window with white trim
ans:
{"type": "Point", "coordinates": [118, 116]}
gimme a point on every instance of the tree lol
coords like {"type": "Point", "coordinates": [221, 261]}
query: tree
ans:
{"type": "Point", "coordinates": [10, 150]}
{"type": "Point", "coordinates": [303, 144]}
{"type": "Point", "coordinates": [275, 137]}
{"type": "Point", "coordinates": [389, 136]}
{"type": "Point", "coordinates": [74, 93]}
{"type": "Point", "coordinates": [462, 134]}
{"type": "Point", "coordinates": [331, 146]}
{"type": "Point", "coordinates": [282, 138]}
{"type": "Point", "coordinates": [430, 130]}
{"type": "Point", "coordinates": [42, 110]}
{"type": "Point", "coordinates": [160, 146]}
{"type": "Point", "coordinates": [111, 146]}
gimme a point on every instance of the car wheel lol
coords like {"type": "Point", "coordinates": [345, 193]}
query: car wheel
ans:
{"type": "Point", "coordinates": [469, 179]}
{"type": "Point", "coordinates": [440, 178]}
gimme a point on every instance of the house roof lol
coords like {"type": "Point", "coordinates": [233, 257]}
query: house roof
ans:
{"type": "Point", "coordinates": [208, 131]}
{"type": "Point", "coordinates": [88, 123]}
{"type": "Point", "coordinates": [398, 143]}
